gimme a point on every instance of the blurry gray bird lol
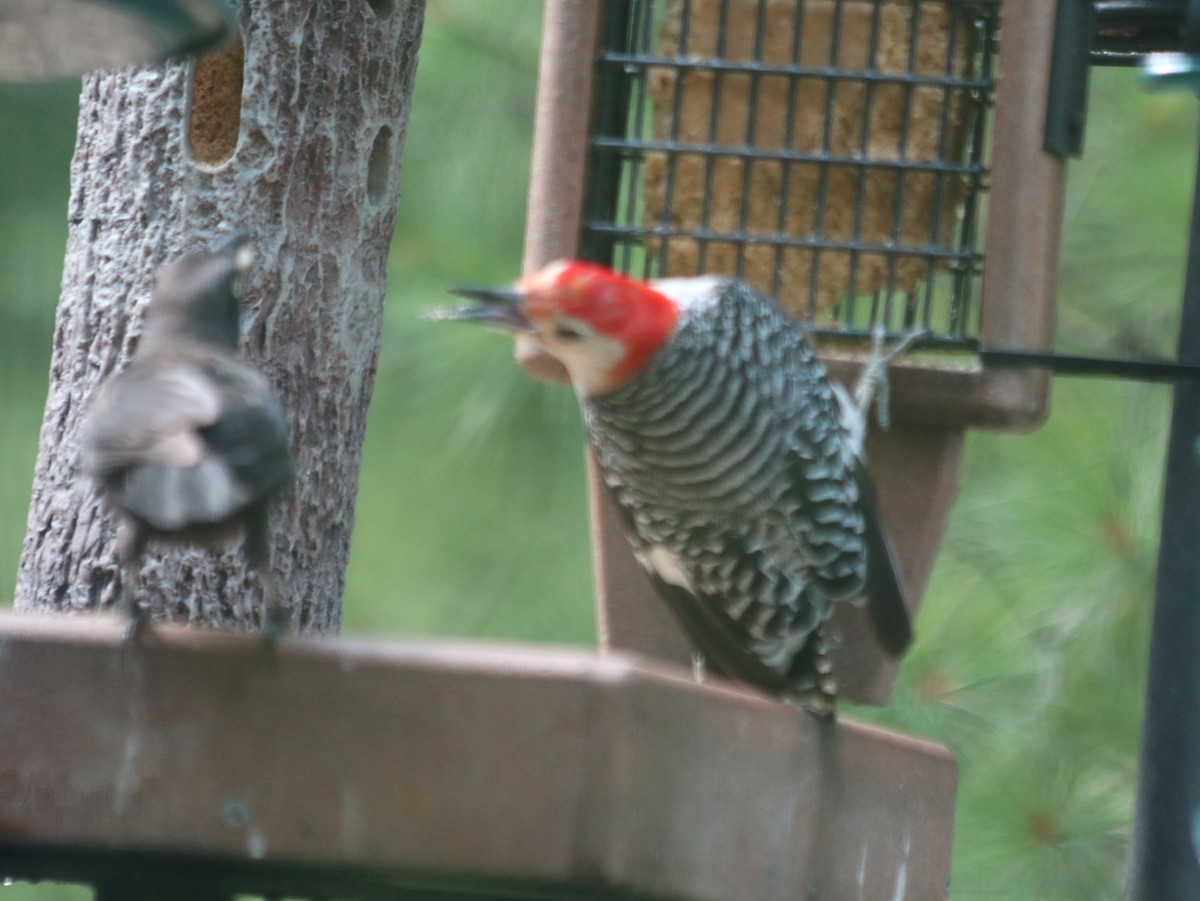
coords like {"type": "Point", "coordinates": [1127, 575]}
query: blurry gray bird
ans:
{"type": "Point", "coordinates": [187, 444]}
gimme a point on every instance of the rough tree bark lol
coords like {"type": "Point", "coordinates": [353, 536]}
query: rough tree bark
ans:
{"type": "Point", "coordinates": [166, 162]}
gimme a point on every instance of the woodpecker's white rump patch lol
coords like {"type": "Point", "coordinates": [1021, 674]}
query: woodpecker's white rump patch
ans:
{"type": "Point", "coordinates": [659, 560]}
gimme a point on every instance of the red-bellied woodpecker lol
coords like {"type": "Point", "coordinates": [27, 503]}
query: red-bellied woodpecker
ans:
{"type": "Point", "coordinates": [187, 444]}
{"type": "Point", "coordinates": [736, 463]}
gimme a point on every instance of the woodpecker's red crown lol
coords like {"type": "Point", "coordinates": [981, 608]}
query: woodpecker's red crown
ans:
{"type": "Point", "coordinates": [601, 326]}
{"type": "Point", "coordinates": [590, 316]}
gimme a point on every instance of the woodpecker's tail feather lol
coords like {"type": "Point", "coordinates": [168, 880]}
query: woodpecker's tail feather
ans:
{"type": "Point", "coordinates": [885, 595]}
{"type": "Point", "coordinates": [807, 683]}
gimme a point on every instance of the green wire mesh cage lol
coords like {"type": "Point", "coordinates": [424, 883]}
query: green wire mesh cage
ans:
{"type": "Point", "coordinates": [831, 153]}
{"type": "Point", "coordinates": [859, 160]}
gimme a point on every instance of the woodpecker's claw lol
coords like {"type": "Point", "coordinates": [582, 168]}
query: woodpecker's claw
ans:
{"type": "Point", "coordinates": [873, 382]}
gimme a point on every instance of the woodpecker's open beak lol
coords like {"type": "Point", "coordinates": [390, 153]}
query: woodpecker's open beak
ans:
{"type": "Point", "coordinates": [499, 307]}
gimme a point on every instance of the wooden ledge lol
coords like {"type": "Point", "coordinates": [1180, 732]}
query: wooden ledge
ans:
{"type": "Point", "coordinates": [360, 766]}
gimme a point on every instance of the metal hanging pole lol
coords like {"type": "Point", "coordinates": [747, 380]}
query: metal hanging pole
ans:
{"type": "Point", "coordinates": [1166, 865]}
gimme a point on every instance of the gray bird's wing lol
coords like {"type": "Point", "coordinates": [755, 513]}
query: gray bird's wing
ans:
{"type": "Point", "coordinates": [251, 436]}
{"type": "Point", "coordinates": [186, 444]}
{"type": "Point", "coordinates": [149, 415]}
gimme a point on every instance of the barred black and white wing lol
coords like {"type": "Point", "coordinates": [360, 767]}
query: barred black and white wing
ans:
{"type": "Point", "coordinates": [742, 496]}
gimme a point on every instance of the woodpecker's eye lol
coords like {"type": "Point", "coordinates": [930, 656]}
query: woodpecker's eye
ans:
{"type": "Point", "coordinates": [566, 333]}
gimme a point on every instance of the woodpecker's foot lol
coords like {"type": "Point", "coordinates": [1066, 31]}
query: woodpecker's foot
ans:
{"type": "Point", "coordinates": [873, 383]}
{"type": "Point", "coordinates": [276, 623]}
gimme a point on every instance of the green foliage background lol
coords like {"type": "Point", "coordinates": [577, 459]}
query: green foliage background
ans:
{"type": "Point", "coordinates": [471, 516]}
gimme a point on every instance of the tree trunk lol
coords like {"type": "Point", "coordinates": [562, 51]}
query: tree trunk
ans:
{"type": "Point", "coordinates": [167, 161]}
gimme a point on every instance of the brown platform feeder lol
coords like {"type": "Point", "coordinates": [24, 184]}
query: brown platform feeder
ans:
{"type": "Point", "coordinates": [208, 765]}
{"type": "Point", "coordinates": [835, 153]}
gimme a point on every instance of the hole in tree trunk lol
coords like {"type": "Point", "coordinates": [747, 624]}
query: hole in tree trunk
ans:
{"type": "Point", "coordinates": [378, 166]}
{"type": "Point", "coordinates": [381, 8]}
{"type": "Point", "coordinates": [216, 107]}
